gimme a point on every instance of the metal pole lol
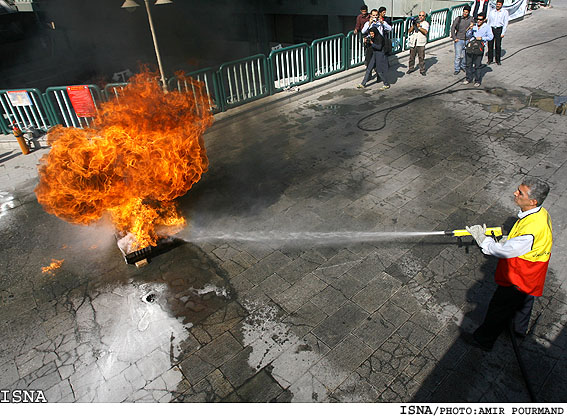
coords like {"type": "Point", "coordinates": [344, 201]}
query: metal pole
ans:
{"type": "Point", "coordinates": [164, 85]}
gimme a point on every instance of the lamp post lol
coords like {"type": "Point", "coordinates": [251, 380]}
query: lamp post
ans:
{"type": "Point", "coordinates": [130, 4]}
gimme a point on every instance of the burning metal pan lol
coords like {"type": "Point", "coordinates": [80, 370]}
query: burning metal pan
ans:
{"type": "Point", "coordinates": [141, 257]}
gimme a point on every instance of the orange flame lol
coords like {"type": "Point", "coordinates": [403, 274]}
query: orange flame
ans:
{"type": "Point", "coordinates": [55, 264]}
{"type": "Point", "coordinates": [145, 150]}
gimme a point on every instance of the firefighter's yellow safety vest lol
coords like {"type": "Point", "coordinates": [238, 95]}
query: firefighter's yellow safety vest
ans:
{"type": "Point", "coordinates": [527, 272]}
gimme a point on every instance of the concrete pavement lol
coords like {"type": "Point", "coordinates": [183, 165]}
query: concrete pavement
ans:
{"type": "Point", "coordinates": [256, 307]}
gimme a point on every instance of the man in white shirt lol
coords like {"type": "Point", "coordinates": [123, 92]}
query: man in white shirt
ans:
{"type": "Point", "coordinates": [379, 21]}
{"type": "Point", "coordinates": [417, 39]}
{"type": "Point", "coordinates": [498, 20]}
{"type": "Point", "coordinates": [522, 268]}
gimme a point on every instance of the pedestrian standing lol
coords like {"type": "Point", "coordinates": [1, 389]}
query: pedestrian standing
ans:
{"type": "Point", "coordinates": [498, 21]}
{"type": "Point", "coordinates": [481, 32]}
{"type": "Point", "coordinates": [458, 34]}
{"type": "Point", "coordinates": [417, 39]}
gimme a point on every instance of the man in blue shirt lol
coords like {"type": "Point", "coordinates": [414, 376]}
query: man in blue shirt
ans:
{"type": "Point", "coordinates": [482, 32]}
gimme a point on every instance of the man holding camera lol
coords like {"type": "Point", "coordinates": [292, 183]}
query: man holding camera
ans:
{"type": "Point", "coordinates": [371, 22]}
{"type": "Point", "coordinates": [417, 39]}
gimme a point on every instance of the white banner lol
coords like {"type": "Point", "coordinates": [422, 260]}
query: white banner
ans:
{"type": "Point", "coordinates": [515, 8]}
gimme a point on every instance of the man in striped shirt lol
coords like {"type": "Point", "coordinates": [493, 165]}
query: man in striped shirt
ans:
{"type": "Point", "coordinates": [524, 259]}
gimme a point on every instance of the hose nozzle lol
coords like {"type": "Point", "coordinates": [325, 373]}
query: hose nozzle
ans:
{"type": "Point", "coordinates": [490, 231]}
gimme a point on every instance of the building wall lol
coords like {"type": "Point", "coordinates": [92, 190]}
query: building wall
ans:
{"type": "Point", "coordinates": [92, 40]}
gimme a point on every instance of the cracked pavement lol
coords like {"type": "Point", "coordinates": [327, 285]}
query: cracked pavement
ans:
{"type": "Point", "coordinates": [308, 320]}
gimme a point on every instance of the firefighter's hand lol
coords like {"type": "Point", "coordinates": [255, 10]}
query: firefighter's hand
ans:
{"type": "Point", "coordinates": [478, 233]}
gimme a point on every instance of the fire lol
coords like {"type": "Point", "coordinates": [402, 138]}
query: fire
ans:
{"type": "Point", "coordinates": [55, 264]}
{"type": "Point", "coordinates": [145, 150]}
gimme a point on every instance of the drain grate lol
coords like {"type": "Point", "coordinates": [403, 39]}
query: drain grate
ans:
{"type": "Point", "coordinates": [150, 297]}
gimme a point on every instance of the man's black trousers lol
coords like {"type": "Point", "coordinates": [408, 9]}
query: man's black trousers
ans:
{"type": "Point", "coordinates": [495, 45]}
{"type": "Point", "coordinates": [503, 306]}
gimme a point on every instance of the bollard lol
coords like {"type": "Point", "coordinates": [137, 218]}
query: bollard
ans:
{"type": "Point", "coordinates": [21, 140]}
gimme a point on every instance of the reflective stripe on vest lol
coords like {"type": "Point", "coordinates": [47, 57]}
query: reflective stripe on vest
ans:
{"type": "Point", "coordinates": [527, 272]}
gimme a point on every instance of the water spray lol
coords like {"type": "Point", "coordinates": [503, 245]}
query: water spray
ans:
{"type": "Point", "coordinates": [142, 256]}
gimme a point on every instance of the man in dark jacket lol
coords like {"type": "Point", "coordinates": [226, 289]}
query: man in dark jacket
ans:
{"type": "Point", "coordinates": [458, 34]}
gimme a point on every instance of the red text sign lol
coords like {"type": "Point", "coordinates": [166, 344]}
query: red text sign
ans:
{"type": "Point", "coordinates": [82, 100]}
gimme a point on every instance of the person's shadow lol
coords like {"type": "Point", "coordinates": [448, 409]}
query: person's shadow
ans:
{"type": "Point", "coordinates": [396, 69]}
{"type": "Point", "coordinates": [465, 374]}
{"type": "Point", "coordinates": [430, 62]}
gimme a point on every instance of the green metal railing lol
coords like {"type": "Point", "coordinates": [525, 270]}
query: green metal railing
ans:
{"type": "Point", "coordinates": [209, 78]}
{"type": "Point", "coordinates": [328, 56]}
{"type": "Point", "coordinates": [28, 114]}
{"type": "Point", "coordinates": [62, 110]}
{"type": "Point", "coordinates": [407, 22]}
{"type": "Point", "coordinates": [234, 83]}
{"type": "Point", "coordinates": [397, 35]}
{"type": "Point", "coordinates": [439, 25]}
{"type": "Point", "coordinates": [242, 81]}
{"type": "Point", "coordinates": [113, 90]}
{"type": "Point", "coordinates": [290, 66]}
{"type": "Point", "coordinates": [355, 49]}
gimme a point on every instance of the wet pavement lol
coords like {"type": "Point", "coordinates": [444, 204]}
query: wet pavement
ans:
{"type": "Point", "coordinates": [251, 307]}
